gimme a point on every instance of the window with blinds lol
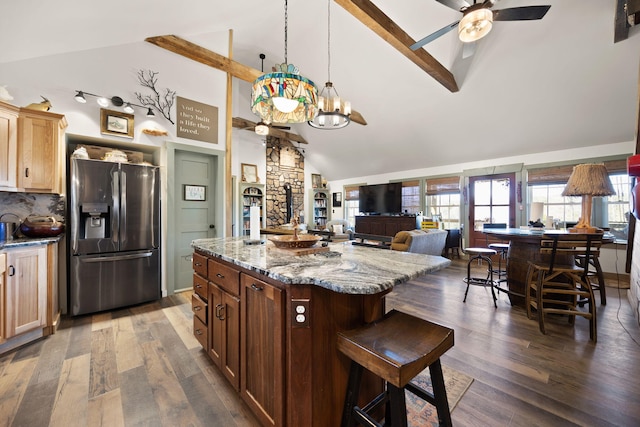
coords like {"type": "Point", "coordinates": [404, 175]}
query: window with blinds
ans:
{"type": "Point", "coordinates": [411, 196]}
{"type": "Point", "coordinates": [545, 186]}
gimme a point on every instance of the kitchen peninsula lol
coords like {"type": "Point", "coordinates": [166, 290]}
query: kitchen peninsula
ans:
{"type": "Point", "coordinates": [268, 320]}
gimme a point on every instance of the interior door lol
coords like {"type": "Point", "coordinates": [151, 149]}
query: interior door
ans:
{"type": "Point", "coordinates": [492, 199]}
{"type": "Point", "coordinates": [193, 210]}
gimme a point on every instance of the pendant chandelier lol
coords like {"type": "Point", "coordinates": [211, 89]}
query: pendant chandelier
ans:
{"type": "Point", "coordinates": [284, 96]}
{"type": "Point", "coordinates": [333, 113]}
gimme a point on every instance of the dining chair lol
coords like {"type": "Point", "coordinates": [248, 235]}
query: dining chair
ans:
{"type": "Point", "coordinates": [556, 283]}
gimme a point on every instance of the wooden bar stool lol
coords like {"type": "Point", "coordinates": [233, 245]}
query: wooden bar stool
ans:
{"type": "Point", "coordinates": [396, 348]}
{"type": "Point", "coordinates": [480, 254]}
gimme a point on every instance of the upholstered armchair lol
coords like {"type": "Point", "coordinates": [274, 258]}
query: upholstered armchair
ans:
{"type": "Point", "coordinates": [340, 228]}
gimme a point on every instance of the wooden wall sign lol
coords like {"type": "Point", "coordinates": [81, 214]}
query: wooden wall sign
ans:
{"type": "Point", "coordinates": [196, 120]}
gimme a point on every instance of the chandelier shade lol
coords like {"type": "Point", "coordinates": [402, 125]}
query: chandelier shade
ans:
{"type": "Point", "coordinates": [333, 112]}
{"type": "Point", "coordinates": [284, 96]}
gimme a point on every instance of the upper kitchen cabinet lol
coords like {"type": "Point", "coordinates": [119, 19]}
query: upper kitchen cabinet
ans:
{"type": "Point", "coordinates": [8, 146]}
{"type": "Point", "coordinates": [41, 151]}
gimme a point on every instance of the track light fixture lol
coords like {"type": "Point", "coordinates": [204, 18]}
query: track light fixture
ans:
{"type": "Point", "coordinates": [116, 101]}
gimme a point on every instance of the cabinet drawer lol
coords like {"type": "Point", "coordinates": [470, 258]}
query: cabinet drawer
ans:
{"type": "Point", "coordinates": [225, 277]}
{"type": "Point", "coordinates": [200, 264]}
{"type": "Point", "coordinates": [200, 286]}
{"type": "Point", "coordinates": [199, 308]}
{"type": "Point", "coordinates": [200, 331]}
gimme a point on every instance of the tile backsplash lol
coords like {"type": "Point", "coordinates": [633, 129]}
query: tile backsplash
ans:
{"type": "Point", "coordinates": [25, 204]}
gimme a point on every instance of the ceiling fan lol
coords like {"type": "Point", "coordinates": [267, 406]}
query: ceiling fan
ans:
{"type": "Point", "coordinates": [477, 19]}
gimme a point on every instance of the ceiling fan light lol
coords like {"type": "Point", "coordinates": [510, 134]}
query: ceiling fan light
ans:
{"type": "Point", "coordinates": [475, 25]}
{"type": "Point", "coordinates": [262, 129]}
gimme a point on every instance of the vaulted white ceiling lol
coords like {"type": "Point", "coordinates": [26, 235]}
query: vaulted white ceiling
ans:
{"type": "Point", "coordinates": [531, 86]}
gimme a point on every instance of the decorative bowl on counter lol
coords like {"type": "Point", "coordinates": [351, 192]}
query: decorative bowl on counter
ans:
{"type": "Point", "coordinates": [41, 226]}
{"type": "Point", "coordinates": [291, 242]}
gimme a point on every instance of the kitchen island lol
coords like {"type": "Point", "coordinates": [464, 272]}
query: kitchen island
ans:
{"type": "Point", "coordinates": [268, 319]}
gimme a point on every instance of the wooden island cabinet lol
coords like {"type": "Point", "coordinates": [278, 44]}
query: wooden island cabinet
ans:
{"type": "Point", "coordinates": [272, 318]}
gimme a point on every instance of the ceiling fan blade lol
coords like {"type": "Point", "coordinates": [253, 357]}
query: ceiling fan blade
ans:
{"type": "Point", "coordinates": [431, 37]}
{"type": "Point", "coordinates": [357, 118]}
{"type": "Point", "coordinates": [524, 13]}
{"type": "Point", "coordinates": [455, 4]}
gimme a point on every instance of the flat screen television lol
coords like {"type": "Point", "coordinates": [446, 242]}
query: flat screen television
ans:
{"type": "Point", "coordinates": [381, 199]}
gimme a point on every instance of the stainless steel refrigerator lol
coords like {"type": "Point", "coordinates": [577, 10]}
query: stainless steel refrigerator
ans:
{"type": "Point", "coordinates": [114, 235]}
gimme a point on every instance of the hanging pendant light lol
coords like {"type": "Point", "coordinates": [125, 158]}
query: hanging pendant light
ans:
{"type": "Point", "coordinates": [284, 96]}
{"type": "Point", "coordinates": [333, 112]}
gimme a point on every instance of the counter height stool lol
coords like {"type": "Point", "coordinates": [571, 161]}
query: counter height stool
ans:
{"type": "Point", "coordinates": [396, 348]}
{"type": "Point", "coordinates": [480, 254]}
{"type": "Point", "coordinates": [502, 249]}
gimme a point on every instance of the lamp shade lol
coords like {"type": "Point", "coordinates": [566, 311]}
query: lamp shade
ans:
{"type": "Point", "coordinates": [589, 179]}
{"type": "Point", "coordinates": [284, 96]}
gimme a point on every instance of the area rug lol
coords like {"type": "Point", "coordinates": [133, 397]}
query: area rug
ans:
{"type": "Point", "coordinates": [423, 414]}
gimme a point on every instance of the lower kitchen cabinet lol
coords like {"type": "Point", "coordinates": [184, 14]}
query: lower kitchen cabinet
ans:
{"type": "Point", "coordinates": [224, 312]}
{"type": "Point", "coordinates": [262, 350]}
{"type": "Point", "coordinates": [29, 306]}
{"type": "Point", "coordinates": [25, 302]}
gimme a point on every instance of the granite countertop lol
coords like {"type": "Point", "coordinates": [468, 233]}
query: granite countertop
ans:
{"type": "Point", "coordinates": [30, 241]}
{"type": "Point", "coordinates": [346, 268]}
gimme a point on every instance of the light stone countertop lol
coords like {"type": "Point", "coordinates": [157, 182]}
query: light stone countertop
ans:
{"type": "Point", "coordinates": [346, 269]}
{"type": "Point", "coordinates": [30, 241]}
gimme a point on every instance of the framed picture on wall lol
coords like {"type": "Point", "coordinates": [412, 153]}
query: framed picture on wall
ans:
{"type": "Point", "coordinates": [116, 123]}
{"type": "Point", "coordinates": [249, 173]}
{"type": "Point", "coordinates": [337, 199]}
{"type": "Point", "coordinates": [316, 180]}
{"type": "Point", "coordinates": [195, 193]}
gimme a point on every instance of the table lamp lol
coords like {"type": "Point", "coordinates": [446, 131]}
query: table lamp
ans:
{"type": "Point", "coordinates": [588, 180]}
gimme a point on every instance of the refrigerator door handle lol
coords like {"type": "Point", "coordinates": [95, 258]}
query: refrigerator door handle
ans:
{"type": "Point", "coordinates": [115, 215]}
{"type": "Point", "coordinates": [118, 257]}
{"type": "Point", "coordinates": [123, 207]}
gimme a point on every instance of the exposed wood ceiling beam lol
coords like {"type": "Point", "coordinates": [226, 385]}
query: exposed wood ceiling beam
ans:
{"type": "Point", "coordinates": [240, 123]}
{"type": "Point", "coordinates": [197, 53]}
{"type": "Point", "coordinates": [367, 13]}
{"type": "Point", "coordinates": [205, 56]}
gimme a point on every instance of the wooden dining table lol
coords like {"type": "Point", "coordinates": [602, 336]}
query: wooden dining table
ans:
{"type": "Point", "coordinates": [524, 246]}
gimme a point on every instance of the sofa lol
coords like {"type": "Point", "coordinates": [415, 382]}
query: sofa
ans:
{"type": "Point", "coordinates": [340, 229]}
{"type": "Point", "coordinates": [428, 242]}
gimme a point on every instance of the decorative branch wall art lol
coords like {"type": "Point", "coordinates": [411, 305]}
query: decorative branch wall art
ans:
{"type": "Point", "coordinates": [161, 100]}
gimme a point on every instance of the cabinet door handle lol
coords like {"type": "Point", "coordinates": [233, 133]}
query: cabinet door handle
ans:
{"type": "Point", "coordinates": [12, 271]}
{"type": "Point", "coordinates": [198, 264]}
{"type": "Point", "coordinates": [198, 286]}
{"type": "Point", "coordinates": [256, 287]}
{"type": "Point", "coordinates": [218, 308]}
{"type": "Point", "coordinates": [197, 308]}
{"type": "Point", "coordinates": [26, 172]}
{"type": "Point", "coordinates": [198, 332]}
{"type": "Point", "coordinates": [220, 275]}
{"type": "Point", "coordinates": [221, 312]}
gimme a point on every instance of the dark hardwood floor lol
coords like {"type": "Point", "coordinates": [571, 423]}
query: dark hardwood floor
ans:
{"type": "Point", "coordinates": [141, 366]}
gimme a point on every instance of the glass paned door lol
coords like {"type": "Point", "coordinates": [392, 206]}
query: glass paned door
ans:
{"type": "Point", "coordinates": [491, 201]}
